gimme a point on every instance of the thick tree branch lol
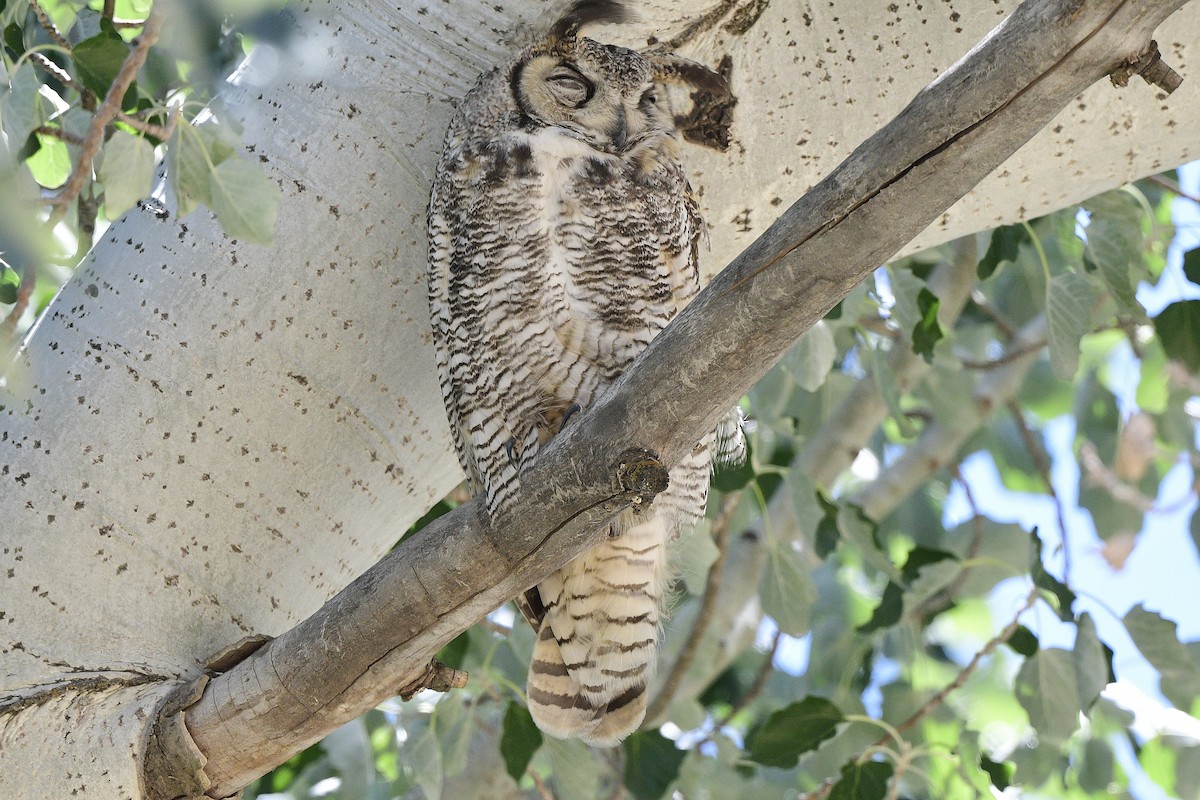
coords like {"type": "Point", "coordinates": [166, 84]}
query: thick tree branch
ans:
{"type": "Point", "coordinates": [380, 632]}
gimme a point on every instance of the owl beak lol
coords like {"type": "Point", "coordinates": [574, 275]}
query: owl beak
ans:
{"type": "Point", "coordinates": [620, 131]}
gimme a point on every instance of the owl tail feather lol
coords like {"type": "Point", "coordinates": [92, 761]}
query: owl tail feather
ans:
{"type": "Point", "coordinates": [597, 646]}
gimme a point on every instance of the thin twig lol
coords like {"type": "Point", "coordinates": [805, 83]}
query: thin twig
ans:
{"type": "Point", "coordinates": [160, 132]}
{"type": "Point", "coordinates": [24, 293]}
{"type": "Point", "coordinates": [1172, 186]}
{"type": "Point", "coordinates": [60, 74]}
{"type": "Point", "coordinates": [1041, 462]}
{"type": "Point", "coordinates": [49, 26]}
{"type": "Point", "coordinates": [1099, 473]}
{"type": "Point", "coordinates": [1008, 357]}
{"type": "Point", "coordinates": [941, 600]}
{"type": "Point", "coordinates": [540, 785]}
{"type": "Point", "coordinates": [708, 606]}
{"type": "Point", "coordinates": [58, 133]}
{"type": "Point", "coordinates": [106, 113]}
{"type": "Point", "coordinates": [991, 312]}
{"type": "Point", "coordinates": [110, 8]}
{"type": "Point", "coordinates": [760, 682]}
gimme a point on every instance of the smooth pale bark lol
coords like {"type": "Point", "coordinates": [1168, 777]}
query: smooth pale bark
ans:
{"type": "Point", "coordinates": [206, 440]}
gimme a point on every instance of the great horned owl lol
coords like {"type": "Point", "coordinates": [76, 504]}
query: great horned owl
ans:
{"type": "Point", "coordinates": [563, 236]}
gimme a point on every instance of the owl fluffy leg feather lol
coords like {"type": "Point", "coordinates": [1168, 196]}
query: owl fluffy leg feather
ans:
{"type": "Point", "coordinates": [598, 642]}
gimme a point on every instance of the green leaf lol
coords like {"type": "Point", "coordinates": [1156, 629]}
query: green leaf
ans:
{"type": "Point", "coordinates": [1092, 668]}
{"type": "Point", "coordinates": [14, 40]}
{"type": "Point", "coordinates": [888, 612]}
{"type": "Point", "coordinates": [51, 164]}
{"type": "Point", "coordinates": [1023, 641]}
{"type": "Point", "coordinates": [867, 781]}
{"type": "Point", "coordinates": [1047, 582]}
{"type": "Point", "coordinates": [1047, 690]}
{"type": "Point", "coordinates": [884, 376]}
{"type": "Point", "coordinates": [1158, 641]}
{"type": "Point", "coordinates": [1114, 242]}
{"type": "Point", "coordinates": [126, 172]}
{"type": "Point", "coordinates": [1000, 773]}
{"type": "Point", "coordinates": [424, 757]}
{"type": "Point", "coordinates": [1191, 265]}
{"type": "Point", "coordinates": [99, 59]}
{"type": "Point", "coordinates": [1178, 328]}
{"type": "Point", "coordinates": [827, 535]}
{"type": "Point", "coordinates": [9, 281]}
{"type": "Point", "coordinates": [1004, 246]}
{"type": "Point", "coordinates": [452, 655]}
{"type": "Point", "coordinates": [1069, 300]}
{"type": "Point", "coordinates": [651, 764]}
{"type": "Point", "coordinates": [927, 332]}
{"type": "Point", "coordinates": [349, 750]}
{"type": "Point", "coordinates": [22, 107]}
{"type": "Point", "coordinates": [791, 731]}
{"type": "Point", "coordinates": [811, 358]}
{"type": "Point", "coordinates": [194, 155]}
{"type": "Point", "coordinates": [574, 769]}
{"type": "Point", "coordinates": [519, 741]}
{"type": "Point", "coordinates": [787, 591]}
{"type": "Point", "coordinates": [1158, 760]}
{"type": "Point", "coordinates": [245, 200]}
{"type": "Point", "coordinates": [1095, 768]}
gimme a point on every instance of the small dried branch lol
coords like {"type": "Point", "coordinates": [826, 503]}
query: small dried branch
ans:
{"type": "Point", "coordinates": [24, 294]}
{"type": "Point", "coordinates": [48, 25]}
{"type": "Point", "coordinates": [1041, 462]}
{"type": "Point", "coordinates": [160, 132]}
{"type": "Point", "coordinates": [994, 314]}
{"type": "Point", "coordinates": [1008, 357]}
{"type": "Point", "coordinates": [58, 133]}
{"type": "Point", "coordinates": [60, 74]}
{"type": "Point", "coordinates": [942, 599]}
{"type": "Point", "coordinates": [712, 589]}
{"type": "Point", "coordinates": [105, 114]}
{"type": "Point", "coordinates": [1099, 474]}
{"type": "Point", "coordinates": [760, 682]}
{"type": "Point", "coordinates": [543, 790]}
{"type": "Point", "coordinates": [1172, 187]}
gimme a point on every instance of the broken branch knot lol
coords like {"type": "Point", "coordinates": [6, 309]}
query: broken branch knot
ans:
{"type": "Point", "coordinates": [438, 677]}
{"type": "Point", "coordinates": [642, 474]}
{"type": "Point", "coordinates": [1151, 67]}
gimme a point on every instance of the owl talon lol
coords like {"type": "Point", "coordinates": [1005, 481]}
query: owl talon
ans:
{"type": "Point", "coordinates": [509, 447]}
{"type": "Point", "coordinates": [571, 410]}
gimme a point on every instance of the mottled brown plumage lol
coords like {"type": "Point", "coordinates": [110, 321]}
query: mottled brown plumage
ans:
{"type": "Point", "coordinates": [563, 237]}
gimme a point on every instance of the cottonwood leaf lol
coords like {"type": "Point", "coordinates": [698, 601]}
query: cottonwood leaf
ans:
{"type": "Point", "coordinates": [245, 200]}
{"type": "Point", "coordinates": [651, 764]}
{"type": "Point", "coordinates": [1092, 666]}
{"type": "Point", "coordinates": [1005, 245]}
{"type": "Point", "coordinates": [22, 107]}
{"type": "Point", "coordinates": [787, 591]}
{"type": "Point", "coordinates": [519, 741]}
{"type": "Point", "coordinates": [1191, 265]}
{"type": "Point", "coordinates": [811, 358]}
{"type": "Point", "coordinates": [1095, 768]}
{"type": "Point", "coordinates": [1069, 300]}
{"type": "Point", "coordinates": [1178, 328]}
{"type": "Point", "coordinates": [791, 731]}
{"type": "Point", "coordinates": [196, 152]}
{"type": "Point", "coordinates": [1158, 640]}
{"type": "Point", "coordinates": [99, 59]}
{"type": "Point", "coordinates": [349, 750]}
{"type": "Point", "coordinates": [1046, 688]}
{"type": "Point", "coordinates": [574, 770]}
{"type": "Point", "coordinates": [1047, 582]}
{"type": "Point", "coordinates": [928, 331]}
{"type": "Point", "coordinates": [51, 164]}
{"type": "Point", "coordinates": [9, 282]}
{"type": "Point", "coordinates": [1114, 242]}
{"type": "Point", "coordinates": [424, 757]}
{"type": "Point", "coordinates": [868, 781]}
{"type": "Point", "coordinates": [999, 772]}
{"type": "Point", "coordinates": [126, 172]}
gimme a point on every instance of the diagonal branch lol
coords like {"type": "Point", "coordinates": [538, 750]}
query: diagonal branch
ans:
{"type": "Point", "coordinates": [382, 630]}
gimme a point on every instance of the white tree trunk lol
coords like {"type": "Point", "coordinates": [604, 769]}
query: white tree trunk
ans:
{"type": "Point", "coordinates": [205, 440]}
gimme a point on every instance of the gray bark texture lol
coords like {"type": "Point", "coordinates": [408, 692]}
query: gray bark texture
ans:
{"type": "Point", "coordinates": [206, 442]}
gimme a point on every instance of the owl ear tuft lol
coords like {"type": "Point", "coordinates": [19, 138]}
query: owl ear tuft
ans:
{"type": "Point", "coordinates": [582, 13]}
{"type": "Point", "coordinates": [670, 68]}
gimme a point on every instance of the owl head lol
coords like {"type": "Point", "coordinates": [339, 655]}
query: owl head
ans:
{"type": "Point", "coordinates": [608, 96]}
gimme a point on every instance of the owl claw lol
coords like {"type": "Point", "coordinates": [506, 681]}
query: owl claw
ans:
{"type": "Point", "coordinates": [509, 448]}
{"type": "Point", "coordinates": [571, 409]}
